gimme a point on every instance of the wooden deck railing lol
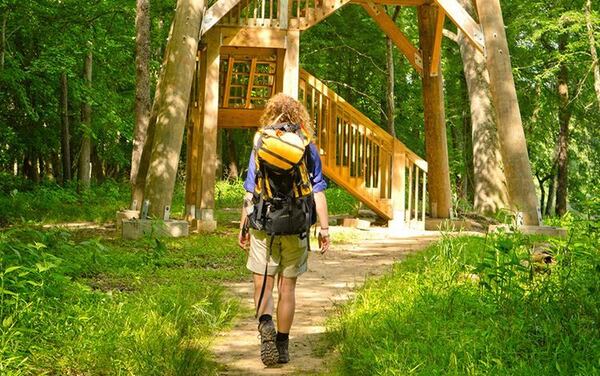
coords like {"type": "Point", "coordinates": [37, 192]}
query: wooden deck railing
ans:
{"type": "Point", "coordinates": [280, 14]}
{"type": "Point", "coordinates": [361, 157]}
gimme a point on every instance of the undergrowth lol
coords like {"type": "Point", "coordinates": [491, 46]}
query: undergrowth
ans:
{"type": "Point", "coordinates": [480, 306]}
{"type": "Point", "coordinates": [47, 203]}
{"type": "Point", "coordinates": [72, 307]}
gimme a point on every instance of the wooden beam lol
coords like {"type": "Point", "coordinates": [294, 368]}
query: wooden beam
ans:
{"type": "Point", "coordinates": [291, 64]}
{"type": "Point", "coordinates": [250, 82]}
{"type": "Point", "coordinates": [205, 195]}
{"type": "Point", "coordinates": [403, 3]}
{"type": "Point", "coordinates": [253, 37]}
{"type": "Point", "coordinates": [283, 10]}
{"type": "Point", "coordinates": [464, 22]}
{"type": "Point", "coordinates": [239, 117]}
{"type": "Point", "coordinates": [388, 26]}
{"type": "Point", "coordinates": [228, 81]}
{"type": "Point", "coordinates": [436, 143]}
{"type": "Point", "coordinates": [215, 13]}
{"type": "Point", "coordinates": [436, 56]}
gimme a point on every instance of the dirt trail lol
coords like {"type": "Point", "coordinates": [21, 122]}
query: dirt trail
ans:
{"type": "Point", "coordinates": [330, 279]}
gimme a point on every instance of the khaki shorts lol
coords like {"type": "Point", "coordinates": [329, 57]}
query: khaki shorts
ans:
{"type": "Point", "coordinates": [289, 254]}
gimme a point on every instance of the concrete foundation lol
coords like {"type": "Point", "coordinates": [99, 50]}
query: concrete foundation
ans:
{"type": "Point", "coordinates": [135, 228]}
{"type": "Point", "coordinates": [532, 230]}
{"type": "Point", "coordinates": [360, 224]}
{"type": "Point", "coordinates": [125, 215]}
{"type": "Point", "coordinates": [203, 226]}
{"type": "Point", "coordinates": [444, 224]}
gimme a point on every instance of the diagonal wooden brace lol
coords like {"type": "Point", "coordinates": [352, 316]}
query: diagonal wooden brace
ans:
{"type": "Point", "coordinates": [388, 26]}
{"type": "Point", "coordinates": [215, 13]}
{"type": "Point", "coordinates": [464, 22]}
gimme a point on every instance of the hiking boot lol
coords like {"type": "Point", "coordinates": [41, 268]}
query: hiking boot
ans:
{"type": "Point", "coordinates": [282, 349]}
{"type": "Point", "coordinates": [268, 349]}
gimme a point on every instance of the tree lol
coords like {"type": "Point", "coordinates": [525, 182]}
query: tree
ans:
{"type": "Point", "coordinates": [564, 117]}
{"type": "Point", "coordinates": [593, 51]}
{"type": "Point", "coordinates": [490, 193]}
{"type": "Point", "coordinates": [510, 127]}
{"type": "Point", "coordinates": [65, 132]}
{"type": "Point", "coordinates": [86, 139]}
{"type": "Point", "coordinates": [176, 83]}
{"type": "Point", "coordinates": [142, 90]}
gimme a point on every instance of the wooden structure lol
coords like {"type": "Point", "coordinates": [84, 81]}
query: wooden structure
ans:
{"type": "Point", "coordinates": [249, 50]}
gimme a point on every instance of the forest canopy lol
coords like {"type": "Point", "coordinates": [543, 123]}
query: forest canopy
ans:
{"type": "Point", "coordinates": [44, 88]}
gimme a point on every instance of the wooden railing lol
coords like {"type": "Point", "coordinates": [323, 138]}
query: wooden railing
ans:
{"type": "Point", "coordinates": [361, 157]}
{"type": "Point", "coordinates": [280, 14]}
{"type": "Point", "coordinates": [256, 13]}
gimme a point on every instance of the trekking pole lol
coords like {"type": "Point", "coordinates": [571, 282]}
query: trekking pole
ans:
{"type": "Point", "coordinates": [264, 284]}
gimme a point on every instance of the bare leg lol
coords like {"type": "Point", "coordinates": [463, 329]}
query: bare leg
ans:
{"type": "Point", "coordinates": [286, 305]}
{"type": "Point", "coordinates": [267, 302]}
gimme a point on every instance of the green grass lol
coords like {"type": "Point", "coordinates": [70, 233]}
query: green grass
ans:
{"type": "Point", "coordinates": [47, 203]}
{"type": "Point", "coordinates": [475, 306]}
{"type": "Point", "coordinates": [71, 304]}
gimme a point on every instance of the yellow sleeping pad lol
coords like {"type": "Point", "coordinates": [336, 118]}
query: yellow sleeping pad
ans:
{"type": "Point", "coordinates": [280, 149]}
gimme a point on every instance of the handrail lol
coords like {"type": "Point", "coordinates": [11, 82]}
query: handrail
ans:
{"type": "Point", "coordinates": [361, 157]}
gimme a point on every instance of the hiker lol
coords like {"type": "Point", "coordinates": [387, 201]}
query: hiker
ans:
{"type": "Point", "coordinates": [285, 192]}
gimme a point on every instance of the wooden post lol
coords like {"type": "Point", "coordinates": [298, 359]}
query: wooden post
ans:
{"type": "Point", "coordinates": [171, 114]}
{"type": "Point", "coordinates": [513, 146]}
{"type": "Point", "coordinates": [194, 129]}
{"type": "Point", "coordinates": [398, 188]}
{"type": "Point", "coordinates": [436, 145]}
{"type": "Point", "coordinates": [291, 64]}
{"type": "Point", "coordinates": [205, 199]}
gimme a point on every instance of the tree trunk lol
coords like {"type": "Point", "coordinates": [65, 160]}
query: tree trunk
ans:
{"type": "Point", "coordinates": [86, 140]}
{"type": "Point", "coordinates": [564, 117]}
{"type": "Point", "coordinates": [436, 144]}
{"type": "Point", "coordinates": [390, 79]}
{"type": "Point", "coordinates": [219, 161]}
{"type": "Point", "coordinates": [593, 51]}
{"type": "Point", "coordinates": [467, 141]}
{"type": "Point", "coordinates": [232, 167]}
{"type": "Point", "coordinates": [551, 202]}
{"type": "Point", "coordinates": [3, 39]}
{"type": "Point", "coordinates": [142, 89]}
{"type": "Point", "coordinates": [513, 146]}
{"type": "Point", "coordinates": [391, 106]}
{"type": "Point", "coordinates": [97, 167]}
{"type": "Point", "coordinates": [172, 108]}
{"type": "Point", "coordinates": [65, 136]}
{"type": "Point", "coordinates": [490, 194]}
{"type": "Point", "coordinates": [137, 193]}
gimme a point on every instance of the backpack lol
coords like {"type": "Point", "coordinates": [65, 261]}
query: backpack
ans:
{"type": "Point", "coordinates": [283, 196]}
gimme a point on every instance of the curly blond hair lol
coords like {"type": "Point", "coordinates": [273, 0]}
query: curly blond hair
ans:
{"type": "Point", "coordinates": [282, 108]}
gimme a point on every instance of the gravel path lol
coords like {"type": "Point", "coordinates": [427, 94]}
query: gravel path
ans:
{"type": "Point", "coordinates": [330, 280]}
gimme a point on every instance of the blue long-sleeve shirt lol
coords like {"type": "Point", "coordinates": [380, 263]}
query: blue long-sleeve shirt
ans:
{"type": "Point", "coordinates": [315, 171]}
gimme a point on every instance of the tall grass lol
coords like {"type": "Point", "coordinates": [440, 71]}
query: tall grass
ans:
{"type": "Point", "coordinates": [479, 306]}
{"type": "Point", "coordinates": [110, 307]}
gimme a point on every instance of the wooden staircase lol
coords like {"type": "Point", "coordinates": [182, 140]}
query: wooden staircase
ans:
{"type": "Point", "coordinates": [259, 61]}
{"type": "Point", "coordinates": [361, 157]}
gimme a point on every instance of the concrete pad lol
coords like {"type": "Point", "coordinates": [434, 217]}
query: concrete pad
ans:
{"type": "Point", "coordinates": [124, 215]}
{"type": "Point", "coordinates": [360, 224]}
{"type": "Point", "coordinates": [137, 228]}
{"type": "Point", "coordinates": [204, 226]}
{"type": "Point", "coordinates": [558, 232]}
{"type": "Point", "coordinates": [531, 230]}
{"type": "Point", "coordinates": [444, 224]}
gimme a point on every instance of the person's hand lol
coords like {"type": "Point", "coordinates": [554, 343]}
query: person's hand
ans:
{"type": "Point", "coordinates": [244, 240]}
{"type": "Point", "coordinates": [324, 240]}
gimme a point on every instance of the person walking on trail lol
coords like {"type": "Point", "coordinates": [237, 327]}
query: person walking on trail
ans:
{"type": "Point", "coordinates": [285, 194]}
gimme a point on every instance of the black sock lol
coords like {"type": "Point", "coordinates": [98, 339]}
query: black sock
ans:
{"type": "Point", "coordinates": [265, 318]}
{"type": "Point", "coordinates": [282, 336]}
